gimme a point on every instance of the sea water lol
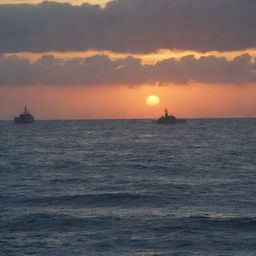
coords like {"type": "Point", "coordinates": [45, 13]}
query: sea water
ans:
{"type": "Point", "coordinates": [128, 187]}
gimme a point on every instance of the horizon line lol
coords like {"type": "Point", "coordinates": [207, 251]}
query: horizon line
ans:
{"type": "Point", "coordinates": [144, 118]}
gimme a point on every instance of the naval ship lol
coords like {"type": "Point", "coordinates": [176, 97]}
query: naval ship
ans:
{"type": "Point", "coordinates": [166, 119]}
{"type": "Point", "coordinates": [24, 118]}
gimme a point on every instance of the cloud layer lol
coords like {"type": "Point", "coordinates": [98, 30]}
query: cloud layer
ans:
{"type": "Point", "coordinates": [135, 26]}
{"type": "Point", "coordinates": [100, 70]}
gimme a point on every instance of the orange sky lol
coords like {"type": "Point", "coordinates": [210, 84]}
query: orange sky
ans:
{"type": "Point", "coordinates": [89, 102]}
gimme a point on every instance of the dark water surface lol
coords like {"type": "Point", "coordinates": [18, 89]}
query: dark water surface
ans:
{"type": "Point", "coordinates": [128, 187]}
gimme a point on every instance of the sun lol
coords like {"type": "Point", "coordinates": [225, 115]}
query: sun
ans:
{"type": "Point", "coordinates": [152, 100]}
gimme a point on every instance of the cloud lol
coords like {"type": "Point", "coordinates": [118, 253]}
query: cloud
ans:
{"type": "Point", "coordinates": [101, 70]}
{"type": "Point", "coordinates": [134, 26]}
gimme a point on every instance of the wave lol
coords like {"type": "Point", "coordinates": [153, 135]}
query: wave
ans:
{"type": "Point", "coordinates": [163, 225]}
{"type": "Point", "coordinates": [68, 181]}
{"type": "Point", "coordinates": [203, 223]}
{"type": "Point", "coordinates": [55, 222]}
{"type": "Point", "coordinates": [233, 222]}
{"type": "Point", "coordinates": [93, 200]}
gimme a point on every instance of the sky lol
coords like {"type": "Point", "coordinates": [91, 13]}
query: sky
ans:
{"type": "Point", "coordinates": [102, 59]}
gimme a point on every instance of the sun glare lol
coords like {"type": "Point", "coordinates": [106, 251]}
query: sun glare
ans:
{"type": "Point", "coordinates": [152, 100]}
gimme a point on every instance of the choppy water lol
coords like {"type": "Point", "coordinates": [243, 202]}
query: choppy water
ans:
{"type": "Point", "coordinates": [128, 187]}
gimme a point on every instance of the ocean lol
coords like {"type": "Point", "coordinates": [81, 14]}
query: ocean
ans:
{"type": "Point", "coordinates": [128, 188]}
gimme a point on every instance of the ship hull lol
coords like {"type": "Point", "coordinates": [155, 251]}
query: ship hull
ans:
{"type": "Point", "coordinates": [175, 121]}
{"type": "Point", "coordinates": [22, 121]}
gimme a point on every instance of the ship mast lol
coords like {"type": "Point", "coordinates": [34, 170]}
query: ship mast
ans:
{"type": "Point", "coordinates": [25, 110]}
{"type": "Point", "coordinates": [166, 112]}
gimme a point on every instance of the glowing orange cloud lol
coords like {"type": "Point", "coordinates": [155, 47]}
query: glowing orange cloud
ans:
{"type": "Point", "coordinates": [150, 58]}
{"type": "Point", "coordinates": [75, 2]}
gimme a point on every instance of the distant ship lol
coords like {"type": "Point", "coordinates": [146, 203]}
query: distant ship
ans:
{"type": "Point", "coordinates": [166, 119]}
{"type": "Point", "coordinates": [24, 118]}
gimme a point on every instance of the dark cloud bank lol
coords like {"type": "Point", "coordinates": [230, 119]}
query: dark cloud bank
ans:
{"type": "Point", "coordinates": [135, 26]}
{"type": "Point", "coordinates": [100, 70]}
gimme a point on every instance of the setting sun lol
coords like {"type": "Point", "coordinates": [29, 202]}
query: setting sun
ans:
{"type": "Point", "coordinates": [152, 100]}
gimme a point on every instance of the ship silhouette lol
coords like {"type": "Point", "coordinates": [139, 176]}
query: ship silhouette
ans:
{"type": "Point", "coordinates": [166, 119]}
{"type": "Point", "coordinates": [24, 118]}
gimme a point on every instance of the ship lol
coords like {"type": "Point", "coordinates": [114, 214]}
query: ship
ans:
{"type": "Point", "coordinates": [24, 118]}
{"type": "Point", "coordinates": [166, 119]}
